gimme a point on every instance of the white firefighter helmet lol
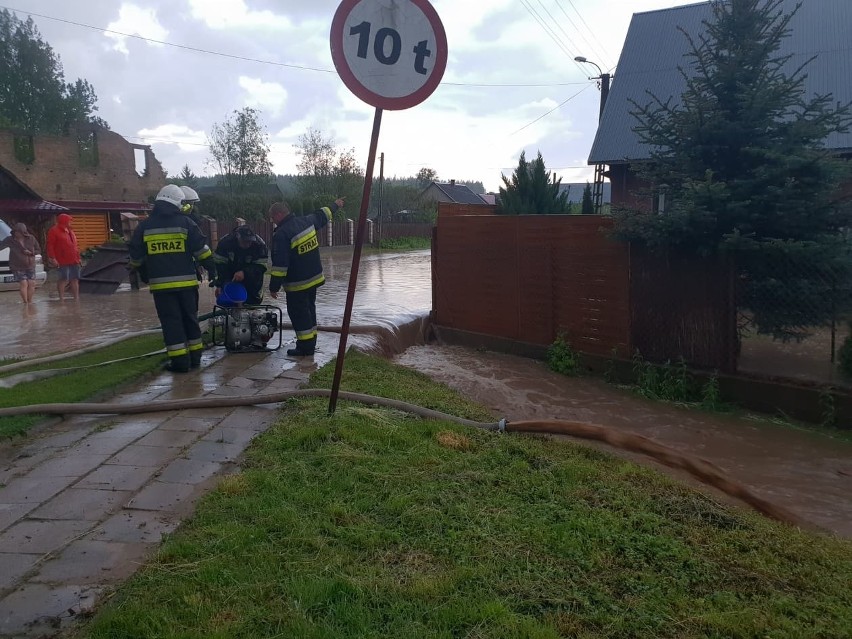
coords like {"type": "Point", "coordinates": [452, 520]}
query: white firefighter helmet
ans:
{"type": "Point", "coordinates": [170, 193]}
{"type": "Point", "coordinates": [189, 194]}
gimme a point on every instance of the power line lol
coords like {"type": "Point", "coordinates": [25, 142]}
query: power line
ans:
{"type": "Point", "coordinates": [170, 44]}
{"type": "Point", "coordinates": [593, 44]}
{"type": "Point", "coordinates": [528, 7]}
{"type": "Point", "coordinates": [547, 29]}
{"type": "Point", "coordinates": [556, 22]}
{"type": "Point", "coordinates": [555, 84]}
{"type": "Point", "coordinates": [257, 60]}
{"type": "Point", "coordinates": [558, 106]}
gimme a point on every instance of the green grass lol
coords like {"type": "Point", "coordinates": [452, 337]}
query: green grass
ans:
{"type": "Point", "coordinates": [377, 524]}
{"type": "Point", "coordinates": [403, 243]}
{"type": "Point", "coordinates": [80, 385]}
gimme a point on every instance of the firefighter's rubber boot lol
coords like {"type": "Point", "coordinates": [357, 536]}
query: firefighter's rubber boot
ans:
{"type": "Point", "coordinates": [179, 364]}
{"type": "Point", "coordinates": [304, 348]}
{"type": "Point", "coordinates": [194, 359]}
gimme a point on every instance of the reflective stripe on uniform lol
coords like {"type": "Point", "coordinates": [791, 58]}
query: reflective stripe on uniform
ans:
{"type": "Point", "coordinates": [186, 277]}
{"type": "Point", "coordinates": [203, 253]}
{"type": "Point", "coordinates": [220, 259]}
{"type": "Point", "coordinates": [277, 271]}
{"type": "Point", "coordinates": [292, 287]}
{"type": "Point", "coordinates": [327, 212]}
{"type": "Point", "coordinates": [171, 284]}
{"type": "Point", "coordinates": [176, 350]}
{"type": "Point", "coordinates": [305, 237]}
{"type": "Point", "coordinates": [173, 233]}
{"type": "Point", "coordinates": [306, 334]}
{"type": "Point", "coordinates": [196, 345]}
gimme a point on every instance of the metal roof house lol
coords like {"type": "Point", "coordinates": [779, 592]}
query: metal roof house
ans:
{"type": "Point", "coordinates": [451, 192]}
{"type": "Point", "coordinates": [655, 49]}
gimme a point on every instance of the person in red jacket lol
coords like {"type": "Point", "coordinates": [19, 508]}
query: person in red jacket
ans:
{"type": "Point", "coordinates": [63, 253]}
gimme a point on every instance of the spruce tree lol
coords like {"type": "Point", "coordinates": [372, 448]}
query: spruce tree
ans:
{"type": "Point", "coordinates": [741, 159]}
{"type": "Point", "coordinates": [588, 206]}
{"type": "Point", "coordinates": [532, 190]}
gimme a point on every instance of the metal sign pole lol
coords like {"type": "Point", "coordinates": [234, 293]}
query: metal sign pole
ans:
{"type": "Point", "coordinates": [387, 76]}
{"type": "Point", "coordinates": [356, 261]}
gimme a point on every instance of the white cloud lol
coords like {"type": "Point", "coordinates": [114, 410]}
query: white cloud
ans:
{"type": "Point", "coordinates": [504, 72]}
{"type": "Point", "coordinates": [185, 138]}
{"type": "Point", "coordinates": [267, 96]}
{"type": "Point", "coordinates": [234, 14]}
{"type": "Point", "coordinates": [134, 20]}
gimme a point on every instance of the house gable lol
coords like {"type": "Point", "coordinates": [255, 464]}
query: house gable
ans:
{"type": "Point", "coordinates": [451, 192]}
{"type": "Point", "coordinates": [654, 49]}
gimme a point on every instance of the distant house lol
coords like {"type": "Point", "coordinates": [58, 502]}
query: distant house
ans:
{"type": "Point", "coordinates": [19, 203]}
{"type": "Point", "coordinates": [575, 191]}
{"type": "Point", "coordinates": [654, 49]}
{"type": "Point", "coordinates": [92, 173]}
{"type": "Point", "coordinates": [452, 193]}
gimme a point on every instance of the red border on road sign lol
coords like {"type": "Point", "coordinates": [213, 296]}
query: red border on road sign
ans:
{"type": "Point", "coordinates": [371, 97]}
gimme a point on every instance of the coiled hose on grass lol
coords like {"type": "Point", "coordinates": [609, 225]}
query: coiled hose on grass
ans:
{"type": "Point", "coordinates": [698, 468]}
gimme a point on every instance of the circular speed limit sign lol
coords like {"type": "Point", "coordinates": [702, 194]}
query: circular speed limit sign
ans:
{"type": "Point", "coordinates": [390, 53]}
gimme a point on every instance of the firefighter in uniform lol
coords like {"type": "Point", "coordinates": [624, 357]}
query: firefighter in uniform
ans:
{"type": "Point", "coordinates": [241, 256]}
{"type": "Point", "coordinates": [296, 268]}
{"type": "Point", "coordinates": [164, 249]}
{"type": "Point", "coordinates": [189, 207]}
{"type": "Point", "coordinates": [190, 204]}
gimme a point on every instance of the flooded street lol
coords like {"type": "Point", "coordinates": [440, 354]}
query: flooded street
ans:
{"type": "Point", "coordinates": [808, 473]}
{"type": "Point", "coordinates": [393, 290]}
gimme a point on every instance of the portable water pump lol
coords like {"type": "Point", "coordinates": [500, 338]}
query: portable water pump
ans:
{"type": "Point", "coordinates": [244, 328]}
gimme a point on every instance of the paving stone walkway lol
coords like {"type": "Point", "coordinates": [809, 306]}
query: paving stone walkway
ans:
{"type": "Point", "coordinates": [84, 503]}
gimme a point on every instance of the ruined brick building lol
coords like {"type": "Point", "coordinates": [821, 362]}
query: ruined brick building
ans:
{"type": "Point", "coordinates": [92, 173]}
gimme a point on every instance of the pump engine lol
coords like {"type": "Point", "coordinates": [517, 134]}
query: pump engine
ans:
{"type": "Point", "coordinates": [246, 328]}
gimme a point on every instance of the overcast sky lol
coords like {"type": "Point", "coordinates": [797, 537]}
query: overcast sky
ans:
{"type": "Point", "coordinates": [468, 129]}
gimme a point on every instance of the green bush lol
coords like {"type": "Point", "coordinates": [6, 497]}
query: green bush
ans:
{"type": "Point", "coordinates": [562, 358]}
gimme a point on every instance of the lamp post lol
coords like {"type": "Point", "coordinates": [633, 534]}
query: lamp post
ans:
{"type": "Point", "coordinates": [603, 77]}
{"type": "Point", "coordinates": [597, 189]}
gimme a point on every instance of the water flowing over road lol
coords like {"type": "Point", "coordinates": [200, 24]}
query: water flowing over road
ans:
{"type": "Point", "coordinates": [394, 289]}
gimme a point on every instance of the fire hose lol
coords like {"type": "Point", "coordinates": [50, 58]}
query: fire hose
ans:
{"type": "Point", "coordinates": [698, 468]}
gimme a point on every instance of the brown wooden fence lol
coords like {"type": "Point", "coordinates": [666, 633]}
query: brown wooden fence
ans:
{"type": "Point", "coordinates": [529, 278]}
{"type": "Point", "coordinates": [683, 307]}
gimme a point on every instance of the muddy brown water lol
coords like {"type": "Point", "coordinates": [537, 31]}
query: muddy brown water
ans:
{"type": "Point", "coordinates": [808, 473]}
{"type": "Point", "coordinates": [394, 290]}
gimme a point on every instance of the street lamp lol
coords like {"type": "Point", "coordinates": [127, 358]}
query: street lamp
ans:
{"type": "Point", "coordinates": [597, 189]}
{"type": "Point", "coordinates": [603, 77]}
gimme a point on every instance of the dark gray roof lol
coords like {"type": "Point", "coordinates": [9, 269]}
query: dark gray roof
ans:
{"type": "Point", "coordinates": [654, 48]}
{"type": "Point", "coordinates": [575, 192]}
{"type": "Point", "coordinates": [459, 193]}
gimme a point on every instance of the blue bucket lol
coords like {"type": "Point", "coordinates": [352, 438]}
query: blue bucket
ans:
{"type": "Point", "coordinates": [233, 293]}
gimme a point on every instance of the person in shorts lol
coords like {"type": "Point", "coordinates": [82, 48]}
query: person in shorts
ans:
{"type": "Point", "coordinates": [64, 255]}
{"type": "Point", "coordinates": [23, 248]}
